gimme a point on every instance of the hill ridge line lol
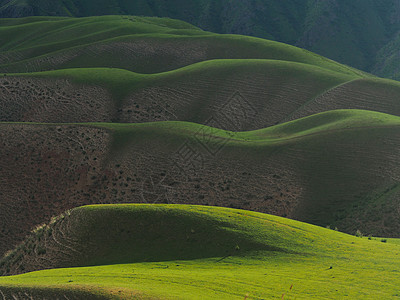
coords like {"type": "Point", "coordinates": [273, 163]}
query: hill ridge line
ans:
{"type": "Point", "coordinates": [230, 135]}
{"type": "Point", "coordinates": [289, 116]}
{"type": "Point", "coordinates": [182, 68]}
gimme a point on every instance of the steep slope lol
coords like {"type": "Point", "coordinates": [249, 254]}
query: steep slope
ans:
{"type": "Point", "coordinates": [338, 168]}
{"type": "Point", "coordinates": [197, 252]}
{"type": "Point", "coordinates": [283, 83]}
{"type": "Point", "coordinates": [352, 32]}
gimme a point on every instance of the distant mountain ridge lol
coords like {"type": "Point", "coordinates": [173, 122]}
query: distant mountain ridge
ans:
{"type": "Point", "coordinates": [362, 33]}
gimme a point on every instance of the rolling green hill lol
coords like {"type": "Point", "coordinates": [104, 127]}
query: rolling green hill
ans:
{"type": "Point", "coordinates": [136, 69]}
{"type": "Point", "coordinates": [120, 109]}
{"type": "Point", "coordinates": [198, 252]}
{"type": "Point", "coordinates": [143, 45]}
{"type": "Point", "coordinates": [339, 168]}
{"type": "Point", "coordinates": [267, 92]}
{"type": "Point", "coordinates": [360, 33]}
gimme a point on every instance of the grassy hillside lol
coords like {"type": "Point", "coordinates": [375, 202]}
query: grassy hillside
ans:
{"type": "Point", "coordinates": [338, 168]}
{"type": "Point", "coordinates": [269, 89]}
{"type": "Point", "coordinates": [353, 32]}
{"type": "Point", "coordinates": [137, 69]}
{"type": "Point", "coordinates": [202, 252]}
{"type": "Point", "coordinates": [178, 72]}
{"type": "Point", "coordinates": [120, 109]}
{"type": "Point", "coordinates": [268, 92]}
{"type": "Point", "coordinates": [144, 45]}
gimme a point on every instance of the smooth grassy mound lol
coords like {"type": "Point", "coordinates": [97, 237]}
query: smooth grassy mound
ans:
{"type": "Point", "coordinates": [270, 257]}
{"type": "Point", "coordinates": [338, 168]}
{"type": "Point", "coordinates": [116, 234]}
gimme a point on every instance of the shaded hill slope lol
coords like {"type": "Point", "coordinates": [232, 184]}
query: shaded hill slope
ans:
{"type": "Point", "coordinates": [233, 253]}
{"type": "Point", "coordinates": [339, 168]}
{"type": "Point", "coordinates": [355, 32]}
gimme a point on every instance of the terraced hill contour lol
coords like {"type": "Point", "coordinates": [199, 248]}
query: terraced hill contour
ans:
{"type": "Point", "coordinates": [268, 91]}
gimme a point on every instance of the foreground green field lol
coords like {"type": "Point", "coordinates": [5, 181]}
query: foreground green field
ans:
{"type": "Point", "coordinates": [198, 252]}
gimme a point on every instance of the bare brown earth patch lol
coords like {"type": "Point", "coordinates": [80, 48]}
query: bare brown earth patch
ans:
{"type": "Point", "coordinates": [52, 101]}
{"type": "Point", "coordinates": [242, 100]}
{"type": "Point", "coordinates": [48, 293]}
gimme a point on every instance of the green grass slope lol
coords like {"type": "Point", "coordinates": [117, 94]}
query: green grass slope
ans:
{"type": "Point", "coordinates": [140, 69]}
{"type": "Point", "coordinates": [144, 45]}
{"type": "Point", "coordinates": [337, 168]}
{"type": "Point", "coordinates": [199, 252]}
{"type": "Point", "coordinates": [356, 33]}
{"type": "Point", "coordinates": [117, 234]}
{"type": "Point", "coordinates": [178, 73]}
